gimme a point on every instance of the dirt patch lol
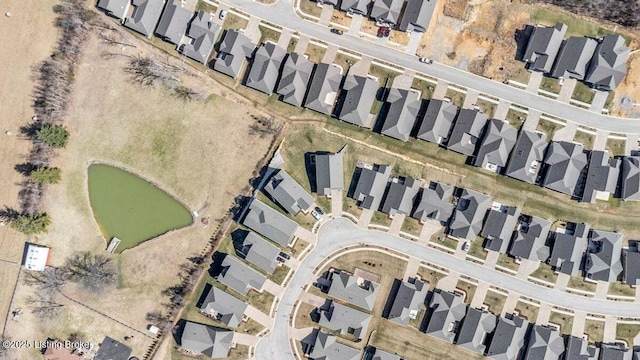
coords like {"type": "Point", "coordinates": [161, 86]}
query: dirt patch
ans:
{"type": "Point", "coordinates": [340, 17]}
{"type": "Point", "coordinates": [629, 87]}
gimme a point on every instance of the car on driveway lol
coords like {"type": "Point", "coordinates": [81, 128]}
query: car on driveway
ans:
{"type": "Point", "coordinates": [387, 31]}
{"type": "Point", "coordinates": [336, 31]}
{"type": "Point", "coordinates": [466, 246]}
{"type": "Point", "coordinates": [425, 60]}
{"type": "Point", "coordinates": [223, 14]}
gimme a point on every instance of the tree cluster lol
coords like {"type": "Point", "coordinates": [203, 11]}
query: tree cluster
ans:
{"type": "Point", "coordinates": [623, 12]}
{"type": "Point", "coordinates": [147, 72]}
{"type": "Point", "coordinates": [264, 126]}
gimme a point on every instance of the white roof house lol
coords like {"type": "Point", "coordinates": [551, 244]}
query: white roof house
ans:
{"type": "Point", "coordinates": [37, 257]}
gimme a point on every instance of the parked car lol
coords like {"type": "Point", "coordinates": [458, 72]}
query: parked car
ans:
{"type": "Point", "coordinates": [284, 255]}
{"type": "Point", "coordinates": [319, 211]}
{"type": "Point", "coordinates": [465, 246]}
{"type": "Point", "coordinates": [279, 259]}
{"type": "Point", "coordinates": [387, 31]}
{"type": "Point", "coordinates": [336, 31]}
{"type": "Point", "coordinates": [425, 60]}
{"type": "Point", "coordinates": [316, 215]}
{"type": "Point", "coordinates": [223, 14]}
{"type": "Point", "coordinates": [381, 31]}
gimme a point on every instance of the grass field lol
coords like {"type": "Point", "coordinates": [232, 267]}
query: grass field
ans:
{"type": "Point", "coordinates": [577, 282]}
{"type": "Point", "coordinates": [616, 147]}
{"type": "Point", "coordinates": [508, 262]}
{"type": "Point", "coordinates": [430, 276]}
{"type": "Point", "coordinates": [515, 118]}
{"type": "Point", "coordinates": [550, 84]}
{"type": "Point", "coordinates": [545, 273]}
{"type": "Point", "coordinates": [468, 289]}
{"type": "Point", "coordinates": [457, 98]}
{"type": "Point", "coordinates": [303, 318]}
{"type": "Point", "coordinates": [595, 330]}
{"type": "Point", "coordinates": [584, 139]}
{"type": "Point", "coordinates": [583, 93]}
{"type": "Point", "coordinates": [575, 25]}
{"type": "Point", "coordinates": [476, 249]}
{"type": "Point", "coordinates": [527, 311]}
{"type": "Point", "coordinates": [565, 321]}
{"type": "Point", "coordinates": [494, 301]}
{"type": "Point", "coordinates": [618, 288]}
{"type": "Point", "coordinates": [627, 332]}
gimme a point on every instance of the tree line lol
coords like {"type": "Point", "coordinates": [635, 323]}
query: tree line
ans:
{"type": "Point", "coordinates": [622, 12]}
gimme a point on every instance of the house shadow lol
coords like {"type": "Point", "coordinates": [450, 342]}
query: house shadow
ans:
{"type": "Point", "coordinates": [390, 299]}
{"type": "Point", "coordinates": [240, 202]}
{"type": "Point", "coordinates": [424, 103]}
{"type": "Point", "coordinates": [427, 316]}
{"type": "Point", "coordinates": [216, 267]}
{"type": "Point", "coordinates": [310, 168]}
{"type": "Point", "coordinates": [384, 109]}
{"type": "Point", "coordinates": [178, 330]}
{"type": "Point", "coordinates": [309, 341]}
{"type": "Point", "coordinates": [203, 296]}
{"type": "Point", "coordinates": [521, 37]}
{"type": "Point", "coordinates": [237, 239]}
{"type": "Point", "coordinates": [354, 182]}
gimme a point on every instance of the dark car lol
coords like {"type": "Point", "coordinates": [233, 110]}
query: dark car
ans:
{"type": "Point", "coordinates": [380, 32]}
{"type": "Point", "coordinates": [336, 31]}
{"type": "Point", "coordinates": [387, 32]}
{"type": "Point", "coordinates": [284, 255]}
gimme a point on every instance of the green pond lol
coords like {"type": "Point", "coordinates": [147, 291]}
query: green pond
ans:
{"type": "Point", "coordinates": [131, 208]}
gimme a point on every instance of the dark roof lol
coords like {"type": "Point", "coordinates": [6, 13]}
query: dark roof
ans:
{"type": "Point", "coordinates": [173, 23]}
{"type": "Point", "coordinates": [208, 340]}
{"type": "Point", "coordinates": [568, 248]}
{"type": "Point", "coordinates": [260, 252]}
{"type": "Point", "coordinates": [573, 59]}
{"type": "Point", "coordinates": [497, 142]}
{"type": "Point", "coordinates": [345, 320]}
{"type": "Point", "coordinates": [234, 50]}
{"type": "Point", "coordinates": [630, 178]}
{"type": "Point", "coordinates": [202, 33]}
{"type": "Point", "coordinates": [379, 354]}
{"type": "Point", "coordinates": [527, 155]}
{"type": "Point", "coordinates": [615, 352]}
{"type": "Point", "coordinates": [609, 63]}
{"type": "Point", "coordinates": [476, 329]}
{"type": "Point", "coordinates": [602, 176]}
{"type": "Point", "coordinates": [446, 311]}
{"type": "Point", "coordinates": [437, 121]}
{"type": "Point", "coordinates": [632, 266]}
{"type": "Point", "coordinates": [239, 276]}
{"type": "Point", "coordinates": [499, 226]}
{"type": "Point", "coordinates": [115, 8]}
{"type": "Point", "coordinates": [604, 256]}
{"type": "Point", "coordinates": [435, 203]}
{"type": "Point", "coordinates": [545, 343]}
{"type": "Point", "coordinates": [508, 338]}
{"type": "Point", "coordinates": [468, 215]}
{"type": "Point", "coordinates": [111, 349]}
{"type": "Point", "coordinates": [356, 6]}
{"type": "Point", "coordinates": [402, 113]}
{"type": "Point", "coordinates": [224, 307]}
{"type": "Point", "coordinates": [288, 193]}
{"type": "Point", "coordinates": [271, 224]}
{"type": "Point", "coordinates": [402, 194]}
{"type": "Point", "coordinates": [543, 47]}
{"type": "Point", "coordinates": [265, 68]}
{"type": "Point", "coordinates": [467, 131]}
{"type": "Point", "coordinates": [564, 163]}
{"type": "Point", "coordinates": [353, 289]}
{"type": "Point", "coordinates": [371, 186]}
{"type": "Point", "coordinates": [409, 299]}
{"type": "Point", "coordinates": [294, 79]}
{"type": "Point", "coordinates": [324, 88]}
{"type": "Point", "coordinates": [387, 10]}
{"type": "Point", "coordinates": [530, 240]}
{"type": "Point", "coordinates": [417, 15]}
{"type": "Point", "coordinates": [579, 349]}
{"type": "Point", "coordinates": [145, 16]}
{"type": "Point", "coordinates": [357, 96]}
{"type": "Point", "coordinates": [329, 173]}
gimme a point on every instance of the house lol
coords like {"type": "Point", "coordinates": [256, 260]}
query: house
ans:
{"type": "Point", "coordinates": [602, 176]}
{"type": "Point", "coordinates": [356, 99]}
{"type": "Point", "coordinates": [630, 178]}
{"type": "Point", "coordinates": [234, 50]}
{"type": "Point", "coordinates": [111, 349]}
{"type": "Point", "coordinates": [239, 276]}
{"type": "Point", "coordinates": [36, 257]}
{"type": "Point", "coordinates": [476, 330]}
{"type": "Point", "coordinates": [437, 121]}
{"type": "Point", "coordinates": [574, 57]}
{"type": "Point", "coordinates": [632, 264]}
{"type": "Point", "coordinates": [269, 223]}
{"type": "Point", "coordinates": [403, 111]}
{"type": "Point", "coordinates": [467, 131]}
{"type": "Point", "coordinates": [417, 15]}
{"type": "Point", "coordinates": [386, 11]}
{"type": "Point", "coordinates": [406, 300]}
{"type": "Point", "coordinates": [324, 87]}
{"type": "Point", "coordinates": [564, 163]}
{"type": "Point", "coordinates": [211, 341]}
{"type": "Point", "coordinates": [435, 203]}
{"type": "Point", "coordinates": [615, 352]}
{"type": "Point", "coordinates": [373, 353]}
{"type": "Point", "coordinates": [332, 3]}
{"type": "Point", "coordinates": [508, 340]}
{"type": "Point", "coordinates": [545, 343]}
{"type": "Point", "coordinates": [343, 319]}
{"type": "Point", "coordinates": [294, 79]}
{"type": "Point", "coordinates": [579, 349]}
{"type": "Point", "coordinates": [604, 256]}
{"type": "Point", "coordinates": [265, 68]}
{"type": "Point", "coordinates": [609, 63]}
{"type": "Point", "coordinates": [329, 172]}
{"type": "Point", "coordinates": [353, 289]}
{"type": "Point", "coordinates": [145, 16]}
{"type": "Point", "coordinates": [202, 34]}
{"type": "Point", "coordinates": [543, 47]}
{"type": "Point", "coordinates": [56, 350]}
{"type": "Point", "coordinates": [496, 145]}
{"type": "Point", "coordinates": [116, 8]}
{"type": "Point", "coordinates": [173, 22]}
{"type": "Point", "coordinates": [568, 248]}
{"type": "Point", "coordinates": [259, 252]}
{"type": "Point", "coordinates": [288, 193]}
{"type": "Point", "coordinates": [499, 226]}
{"type": "Point", "coordinates": [223, 307]}
{"type": "Point", "coordinates": [468, 215]}
{"type": "Point", "coordinates": [371, 185]}
{"type": "Point", "coordinates": [402, 194]}
{"type": "Point", "coordinates": [527, 156]}
{"type": "Point", "coordinates": [326, 347]}
{"type": "Point", "coordinates": [530, 241]}
{"type": "Point", "coordinates": [358, 7]}
{"type": "Point", "coordinates": [445, 313]}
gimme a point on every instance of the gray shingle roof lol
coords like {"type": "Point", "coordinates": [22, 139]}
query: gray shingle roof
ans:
{"type": "Point", "coordinates": [294, 79]}
{"type": "Point", "coordinates": [271, 224]}
{"type": "Point", "coordinates": [579, 349]}
{"type": "Point", "coordinates": [568, 248]}
{"type": "Point", "coordinates": [468, 215]}
{"type": "Point", "coordinates": [508, 339]}
{"type": "Point", "coordinates": [356, 6]}
{"type": "Point", "coordinates": [326, 348]}
{"type": "Point", "coordinates": [543, 47]}
{"type": "Point", "coordinates": [417, 15]}
{"type": "Point", "coordinates": [234, 50]}
{"type": "Point", "coordinates": [239, 276]}
{"type": "Point", "coordinates": [630, 178]}
{"type": "Point", "coordinates": [259, 252]}
{"type": "Point", "coordinates": [210, 341]}
{"type": "Point", "coordinates": [386, 10]}
{"type": "Point", "coordinates": [604, 256]}
{"type": "Point", "coordinates": [632, 265]}
{"type": "Point", "coordinates": [544, 343]}
{"type": "Point", "coordinates": [290, 195]}
{"type": "Point", "coordinates": [530, 240]}
{"type": "Point", "coordinates": [615, 352]}
{"type": "Point", "coordinates": [499, 226]}
{"type": "Point", "coordinates": [115, 8]}
{"type": "Point", "coordinates": [476, 328]}
{"type": "Point", "coordinates": [467, 131]}
{"type": "Point", "coordinates": [202, 33]}
{"type": "Point", "coordinates": [446, 311]}
{"type": "Point", "coordinates": [346, 320]}
{"type": "Point", "coordinates": [402, 113]}
{"type": "Point", "coordinates": [409, 299]}
{"type": "Point", "coordinates": [265, 68]}
{"type": "Point", "coordinates": [602, 176]}
{"type": "Point", "coordinates": [357, 96]}
{"type": "Point", "coordinates": [384, 355]}
{"type": "Point", "coordinates": [527, 156]}
{"type": "Point", "coordinates": [173, 22]}
{"type": "Point", "coordinates": [496, 145]}
{"type": "Point", "coordinates": [145, 16]}
{"type": "Point", "coordinates": [329, 173]}
{"type": "Point", "coordinates": [435, 203]}
{"type": "Point", "coordinates": [111, 349]}
{"type": "Point", "coordinates": [402, 194]}
{"type": "Point", "coordinates": [609, 63]}
{"type": "Point", "coordinates": [371, 186]}
{"type": "Point", "coordinates": [324, 88]}
{"type": "Point", "coordinates": [573, 59]}
{"type": "Point", "coordinates": [224, 307]}
{"type": "Point", "coordinates": [437, 121]}
{"type": "Point", "coordinates": [354, 290]}
{"type": "Point", "coordinates": [564, 163]}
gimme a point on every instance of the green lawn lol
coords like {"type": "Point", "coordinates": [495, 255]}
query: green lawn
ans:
{"type": "Point", "coordinates": [267, 34]}
{"type": "Point", "coordinates": [520, 75]}
{"type": "Point", "coordinates": [627, 332]}
{"type": "Point", "coordinates": [426, 88]}
{"type": "Point", "coordinates": [468, 289]}
{"type": "Point", "coordinates": [315, 52]}
{"type": "Point", "coordinates": [487, 107]}
{"type": "Point", "coordinates": [476, 249]}
{"type": "Point", "coordinates": [584, 139]}
{"type": "Point", "coordinates": [380, 218]}
{"type": "Point", "coordinates": [279, 274]}
{"type": "Point", "coordinates": [250, 327]}
{"type": "Point", "coordinates": [261, 301]}
{"type": "Point", "coordinates": [548, 128]}
{"type": "Point", "coordinates": [583, 93]}
{"type": "Point", "coordinates": [616, 147]}
{"type": "Point", "coordinates": [565, 321]}
{"type": "Point", "coordinates": [495, 302]}
{"type": "Point", "coordinates": [430, 276]}
{"type": "Point", "coordinates": [233, 21]}
{"type": "Point", "coordinates": [545, 273]}
{"type": "Point", "coordinates": [412, 226]}
{"type": "Point", "coordinates": [577, 282]}
{"type": "Point", "coordinates": [508, 262]}
{"type": "Point", "coordinates": [382, 73]}
{"type": "Point", "coordinates": [516, 118]}
{"type": "Point", "coordinates": [595, 330]}
{"type": "Point", "coordinates": [310, 8]}
{"type": "Point", "coordinates": [441, 238]}
{"type": "Point", "coordinates": [527, 311]}
{"type": "Point", "coordinates": [457, 98]}
{"type": "Point", "coordinates": [204, 6]}
{"type": "Point", "coordinates": [576, 26]}
{"type": "Point", "coordinates": [618, 288]}
{"type": "Point", "coordinates": [550, 84]}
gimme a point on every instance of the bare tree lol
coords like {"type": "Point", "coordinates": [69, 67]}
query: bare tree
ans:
{"type": "Point", "coordinates": [185, 93]}
{"type": "Point", "coordinates": [92, 272]}
{"type": "Point", "coordinates": [145, 71]}
{"type": "Point", "coordinates": [49, 282]}
{"type": "Point", "coordinates": [44, 306]}
{"type": "Point", "coordinates": [264, 126]}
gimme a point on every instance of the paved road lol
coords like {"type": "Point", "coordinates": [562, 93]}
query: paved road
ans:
{"type": "Point", "coordinates": [282, 13]}
{"type": "Point", "coordinates": [339, 233]}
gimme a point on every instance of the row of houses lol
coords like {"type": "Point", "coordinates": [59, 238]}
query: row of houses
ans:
{"type": "Point", "coordinates": [600, 63]}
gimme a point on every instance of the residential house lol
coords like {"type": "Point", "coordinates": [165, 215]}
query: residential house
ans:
{"type": "Point", "coordinates": [356, 99]}
{"type": "Point", "coordinates": [56, 350]}
{"type": "Point", "coordinates": [604, 256]}
{"type": "Point", "coordinates": [402, 194]}
{"type": "Point", "coordinates": [467, 131]}
{"type": "Point", "coordinates": [288, 193]}
{"type": "Point", "coordinates": [417, 15]}
{"type": "Point", "coordinates": [402, 113]}
{"type": "Point", "coordinates": [530, 241]}
{"type": "Point", "coordinates": [265, 68]}
{"type": "Point", "coordinates": [544, 343]}
{"type": "Point", "coordinates": [543, 47]}
{"type": "Point", "coordinates": [211, 341]}
{"type": "Point", "coordinates": [353, 289]}
{"type": "Point", "coordinates": [407, 300]}
{"type": "Point", "coordinates": [579, 349]}
{"type": "Point", "coordinates": [173, 22]}
{"type": "Point", "coordinates": [574, 57]}
{"type": "Point", "coordinates": [508, 340]}
{"type": "Point", "coordinates": [329, 172]}
{"type": "Point", "coordinates": [616, 352]}
{"type": "Point", "coordinates": [271, 224]}
{"type": "Point", "coordinates": [239, 276]}
{"type": "Point", "coordinates": [435, 203]}
{"type": "Point", "coordinates": [602, 176]}
{"type": "Point", "coordinates": [496, 145]}
{"type": "Point", "coordinates": [332, 3]}
{"type": "Point", "coordinates": [202, 34]}
{"type": "Point", "coordinates": [609, 63]}
{"type": "Point", "coordinates": [386, 11]}
{"type": "Point", "coordinates": [326, 347]}
{"type": "Point", "coordinates": [476, 329]}
{"type": "Point", "coordinates": [568, 248]}
{"type": "Point", "coordinates": [437, 121]}
{"type": "Point", "coordinates": [358, 7]}
{"type": "Point", "coordinates": [499, 226]}
{"type": "Point", "coordinates": [564, 164]}
{"type": "Point", "coordinates": [223, 307]}
{"type": "Point", "coordinates": [294, 79]}
{"type": "Point", "coordinates": [630, 178]}
{"type": "Point", "coordinates": [445, 313]}
{"type": "Point", "coordinates": [324, 87]}
{"type": "Point", "coordinates": [632, 264]}
{"type": "Point", "coordinates": [259, 252]}
{"type": "Point", "coordinates": [111, 349]}
{"type": "Point", "coordinates": [116, 8]}
{"type": "Point", "coordinates": [344, 319]}
{"type": "Point", "coordinates": [373, 353]}
{"type": "Point", "coordinates": [371, 185]}
{"type": "Point", "coordinates": [527, 156]}
{"type": "Point", "coordinates": [145, 16]}
{"type": "Point", "coordinates": [234, 50]}
{"type": "Point", "coordinates": [468, 215]}
{"type": "Point", "coordinates": [36, 257]}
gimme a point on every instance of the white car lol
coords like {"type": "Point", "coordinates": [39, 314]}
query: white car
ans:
{"type": "Point", "coordinates": [465, 246]}
{"type": "Point", "coordinates": [223, 14]}
{"type": "Point", "coordinates": [425, 60]}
